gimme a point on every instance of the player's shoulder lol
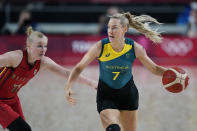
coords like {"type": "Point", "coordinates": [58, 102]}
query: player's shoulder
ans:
{"type": "Point", "coordinates": [14, 54]}
{"type": "Point", "coordinates": [15, 57]}
{"type": "Point", "coordinates": [129, 41]}
{"type": "Point", "coordinates": [138, 46]}
{"type": "Point", "coordinates": [45, 59]}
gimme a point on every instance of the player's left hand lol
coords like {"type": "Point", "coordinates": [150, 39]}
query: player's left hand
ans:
{"type": "Point", "coordinates": [72, 101]}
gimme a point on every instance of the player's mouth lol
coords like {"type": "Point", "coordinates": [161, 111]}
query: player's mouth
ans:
{"type": "Point", "coordinates": [111, 37]}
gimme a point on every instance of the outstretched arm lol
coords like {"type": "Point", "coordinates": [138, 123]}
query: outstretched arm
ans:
{"type": "Point", "coordinates": [88, 58]}
{"type": "Point", "coordinates": [140, 53]}
{"type": "Point", "coordinates": [49, 64]}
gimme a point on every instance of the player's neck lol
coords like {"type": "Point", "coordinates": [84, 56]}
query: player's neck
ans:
{"type": "Point", "coordinates": [118, 45]}
{"type": "Point", "coordinates": [30, 59]}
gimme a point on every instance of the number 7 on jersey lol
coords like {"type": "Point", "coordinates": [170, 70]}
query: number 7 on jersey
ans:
{"type": "Point", "coordinates": [116, 75]}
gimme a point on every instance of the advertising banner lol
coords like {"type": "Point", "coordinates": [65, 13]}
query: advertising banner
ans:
{"type": "Point", "coordinates": [69, 49]}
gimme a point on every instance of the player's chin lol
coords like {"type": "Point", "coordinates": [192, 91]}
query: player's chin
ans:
{"type": "Point", "coordinates": [40, 57]}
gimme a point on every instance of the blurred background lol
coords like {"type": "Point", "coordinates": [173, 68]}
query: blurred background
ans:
{"type": "Point", "coordinates": [72, 26]}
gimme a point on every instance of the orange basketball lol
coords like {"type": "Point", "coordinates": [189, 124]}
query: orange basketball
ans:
{"type": "Point", "coordinates": [175, 80]}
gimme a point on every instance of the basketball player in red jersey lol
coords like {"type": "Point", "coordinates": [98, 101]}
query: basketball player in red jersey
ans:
{"type": "Point", "coordinates": [16, 69]}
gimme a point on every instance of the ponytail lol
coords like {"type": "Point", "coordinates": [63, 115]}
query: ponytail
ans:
{"type": "Point", "coordinates": [29, 31]}
{"type": "Point", "coordinates": [141, 24]}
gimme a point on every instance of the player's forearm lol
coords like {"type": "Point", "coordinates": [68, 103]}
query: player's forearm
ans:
{"type": "Point", "coordinates": [74, 75]}
{"type": "Point", "coordinates": [159, 70]}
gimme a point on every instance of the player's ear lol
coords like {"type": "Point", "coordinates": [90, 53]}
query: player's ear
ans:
{"type": "Point", "coordinates": [125, 28]}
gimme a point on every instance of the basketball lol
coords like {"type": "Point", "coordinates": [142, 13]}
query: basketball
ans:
{"type": "Point", "coordinates": [175, 80]}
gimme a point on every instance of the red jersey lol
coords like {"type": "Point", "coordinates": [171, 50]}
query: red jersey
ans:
{"type": "Point", "coordinates": [12, 79]}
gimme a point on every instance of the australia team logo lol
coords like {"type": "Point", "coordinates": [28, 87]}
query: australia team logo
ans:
{"type": "Point", "coordinates": [107, 55]}
{"type": "Point", "coordinates": [127, 55]}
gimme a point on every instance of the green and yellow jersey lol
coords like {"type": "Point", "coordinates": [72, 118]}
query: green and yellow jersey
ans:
{"type": "Point", "coordinates": [116, 67]}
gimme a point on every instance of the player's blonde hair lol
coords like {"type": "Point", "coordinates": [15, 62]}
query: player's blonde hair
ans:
{"type": "Point", "coordinates": [141, 24]}
{"type": "Point", "coordinates": [31, 34]}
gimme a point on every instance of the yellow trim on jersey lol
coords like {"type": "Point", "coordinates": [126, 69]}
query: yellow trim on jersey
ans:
{"type": "Point", "coordinates": [3, 71]}
{"type": "Point", "coordinates": [110, 54]}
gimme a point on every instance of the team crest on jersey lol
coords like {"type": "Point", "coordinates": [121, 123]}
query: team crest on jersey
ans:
{"type": "Point", "coordinates": [35, 71]}
{"type": "Point", "coordinates": [127, 55]}
{"type": "Point", "coordinates": [107, 55]}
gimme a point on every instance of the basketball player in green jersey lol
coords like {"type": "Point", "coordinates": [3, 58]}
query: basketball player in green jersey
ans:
{"type": "Point", "coordinates": [117, 95]}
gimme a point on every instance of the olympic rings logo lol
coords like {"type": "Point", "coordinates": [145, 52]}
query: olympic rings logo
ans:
{"type": "Point", "coordinates": [175, 47]}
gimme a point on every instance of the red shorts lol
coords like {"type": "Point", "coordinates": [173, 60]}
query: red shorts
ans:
{"type": "Point", "coordinates": [9, 110]}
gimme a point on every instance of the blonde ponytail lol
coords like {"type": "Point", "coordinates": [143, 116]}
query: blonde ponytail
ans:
{"type": "Point", "coordinates": [29, 31]}
{"type": "Point", "coordinates": [141, 24]}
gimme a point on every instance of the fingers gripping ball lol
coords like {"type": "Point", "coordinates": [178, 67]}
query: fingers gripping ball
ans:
{"type": "Point", "coordinates": [175, 80]}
